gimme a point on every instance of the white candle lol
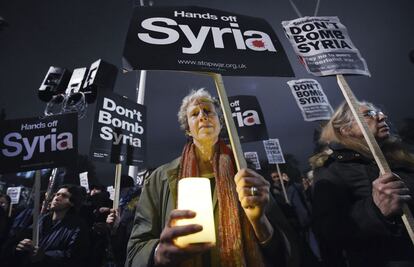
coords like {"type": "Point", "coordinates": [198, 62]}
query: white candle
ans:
{"type": "Point", "coordinates": [194, 193]}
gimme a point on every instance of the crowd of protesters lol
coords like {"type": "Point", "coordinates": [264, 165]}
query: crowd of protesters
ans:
{"type": "Point", "coordinates": [343, 211]}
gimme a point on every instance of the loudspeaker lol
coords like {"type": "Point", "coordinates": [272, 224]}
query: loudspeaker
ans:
{"type": "Point", "coordinates": [102, 76]}
{"type": "Point", "coordinates": [55, 82]}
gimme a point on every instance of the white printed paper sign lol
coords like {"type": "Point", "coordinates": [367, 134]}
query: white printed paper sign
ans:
{"type": "Point", "coordinates": [311, 99]}
{"type": "Point", "coordinates": [324, 46]}
{"type": "Point", "coordinates": [111, 191]}
{"type": "Point", "coordinates": [83, 180]}
{"type": "Point", "coordinates": [253, 158]}
{"type": "Point", "coordinates": [273, 151]}
{"type": "Point", "coordinates": [14, 194]}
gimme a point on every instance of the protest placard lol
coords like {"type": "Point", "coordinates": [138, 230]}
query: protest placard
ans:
{"type": "Point", "coordinates": [119, 130]}
{"type": "Point", "coordinates": [203, 39]}
{"type": "Point", "coordinates": [111, 191]}
{"type": "Point", "coordinates": [253, 158]}
{"type": "Point", "coordinates": [324, 46]}
{"type": "Point", "coordinates": [311, 99]}
{"type": "Point", "coordinates": [14, 194]}
{"type": "Point", "coordinates": [248, 118]}
{"type": "Point", "coordinates": [38, 143]}
{"type": "Point", "coordinates": [83, 180]}
{"type": "Point", "coordinates": [273, 151]}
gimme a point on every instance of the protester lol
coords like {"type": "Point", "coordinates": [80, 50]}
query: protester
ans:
{"type": "Point", "coordinates": [356, 210]}
{"type": "Point", "coordinates": [298, 212]}
{"type": "Point", "coordinates": [5, 221]}
{"type": "Point", "coordinates": [63, 238]}
{"type": "Point", "coordinates": [95, 211]}
{"type": "Point", "coordinates": [250, 229]}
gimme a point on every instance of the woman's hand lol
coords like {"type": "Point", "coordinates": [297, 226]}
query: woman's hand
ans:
{"type": "Point", "coordinates": [253, 205]}
{"type": "Point", "coordinates": [253, 191]}
{"type": "Point", "coordinates": [167, 253]}
{"type": "Point", "coordinates": [389, 194]}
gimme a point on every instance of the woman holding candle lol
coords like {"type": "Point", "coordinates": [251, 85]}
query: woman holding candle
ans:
{"type": "Point", "coordinates": [250, 229]}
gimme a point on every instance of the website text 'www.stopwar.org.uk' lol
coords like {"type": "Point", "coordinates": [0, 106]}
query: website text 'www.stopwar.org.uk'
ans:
{"type": "Point", "coordinates": [211, 64]}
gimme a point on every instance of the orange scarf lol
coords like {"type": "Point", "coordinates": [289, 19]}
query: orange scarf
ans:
{"type": "Point", "coordinates": [237, 242]}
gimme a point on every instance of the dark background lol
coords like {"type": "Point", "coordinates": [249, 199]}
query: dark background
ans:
{"type": "Point", "coordinates": [75, 33]}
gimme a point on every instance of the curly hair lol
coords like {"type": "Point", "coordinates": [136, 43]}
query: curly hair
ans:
{"type": "Point", "coordinates": [188, 99]}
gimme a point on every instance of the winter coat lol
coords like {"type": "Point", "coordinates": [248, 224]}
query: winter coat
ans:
{"type": "Point", "coordinates": [159, 198]}
{"type": "Point", "coordinates": [346, 220]}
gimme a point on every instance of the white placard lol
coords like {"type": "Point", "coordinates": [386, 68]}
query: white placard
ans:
{"type": "Point", "coordinates": [311, 99]}
{"type": "Point", "coordinates": [252, 157]}
{"type": "Point", "coordinates": [111, 191]}
{"type": "Point", "coordinates": [324, 46]}
{"type": "Point", "coordinates": [273, 151]}
{"type": "Point", "coordinates": [83, 180]}
{"type": "Point", "coordinates": [14, 194]}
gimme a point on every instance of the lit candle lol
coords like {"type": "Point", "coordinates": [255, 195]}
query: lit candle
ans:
{"type": "Point", "coordinates": [194, 193]}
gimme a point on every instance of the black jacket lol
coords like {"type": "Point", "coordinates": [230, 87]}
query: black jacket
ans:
{"type": "Point", "coordinates": [63, 244]}
{"type": "Point", "coordinates": [346, 220]}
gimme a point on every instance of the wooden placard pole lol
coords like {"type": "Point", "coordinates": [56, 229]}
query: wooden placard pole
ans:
{"type": "Point", "coordinates": [49, 192]}
{"type": "Point", "coordinates": [117, 185]}
{"type": "Point", "coordinates": [36, 208]}
{"type": "Point", "coordinates": [228, 118]}
{"type": "Point", "coordinates": [382, 163]}
{"type": "Point", "coordinates": [10, 210]}
{"type": "Point", "coordinates": [282, 184]}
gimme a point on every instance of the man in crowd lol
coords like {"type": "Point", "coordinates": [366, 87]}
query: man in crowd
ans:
{"type": "Point", "coordinates": [63, 237]}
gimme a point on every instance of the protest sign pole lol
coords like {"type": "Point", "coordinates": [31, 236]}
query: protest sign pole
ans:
{"type": "Point", "coordinates": [10, 210]}
{"type": "Point", "coordinates": [36, 208]}
{"type": "Point", "coordinates": [231, 127]}
{"type": "Point", "coordinates": [382, 163]}
{"type": "Point", "coordinates": [117, 185]}
{"type": "Point", "coordinates": [49, 192]}
{"type": "Point", "coordinates": [281, 183]}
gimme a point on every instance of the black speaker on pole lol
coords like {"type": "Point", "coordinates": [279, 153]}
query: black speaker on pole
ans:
{"type": "Point", "coordinates": [101, 76]}
{"type": "Point", "coordinates": [55, 83]}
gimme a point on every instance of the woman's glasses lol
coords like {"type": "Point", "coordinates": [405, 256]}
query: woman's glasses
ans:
{"type": "Point", "coordinates": [373, 114]}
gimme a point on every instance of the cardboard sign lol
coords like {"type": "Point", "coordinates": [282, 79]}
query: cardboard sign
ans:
{"type": "Point", "coordinates": [273, 151]}
{"type": "Point", "coordinates": [83, 180]}
{"type": "Point", "coordinates": [119, 130]}
{"type": "Point", "coordinates": [311, 99]}
{"type": "Point", "coordinates": [203, 39]}
{"type": "Point", "coordinates": [253, 158]}
{"type": "Point", "coordinates": [14, 194]}
{"type": "Point", "coordinates": [324, 46]}
{"type": "Point", "coordinates": [38, 143]}
{"type": "Point", "coordinates": [248, 118]}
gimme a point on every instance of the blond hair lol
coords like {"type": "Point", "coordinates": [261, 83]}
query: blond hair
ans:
{"type": "Point", "coordinates": [343, 119]}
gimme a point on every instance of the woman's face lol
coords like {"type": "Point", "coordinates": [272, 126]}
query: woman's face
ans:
{"type": "Point", "coordinates": [376, 121]}
{"type": "Point", "coordinates": [203, 122]}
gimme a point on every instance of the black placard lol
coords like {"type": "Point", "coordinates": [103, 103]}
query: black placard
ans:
{"type": "Point", "coordinates": [248, 118]}
{"type": "Point", "coordinates": [119, 130]}
{"type": "Point", "coordinates": [203, 39]}
{"type": "Point", "coordinates": [38, 143]}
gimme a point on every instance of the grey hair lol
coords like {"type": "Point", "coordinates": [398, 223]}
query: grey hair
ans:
{"type": "Point", "coordinates": [188, 99]}
{"type": "Point", "coordinates": [341, 119]}
{"type": "Point", "coordinates": [331, 133]}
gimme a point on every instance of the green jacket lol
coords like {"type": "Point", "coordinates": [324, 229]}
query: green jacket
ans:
{"type": "Point", "coordinates": [159, 197]}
